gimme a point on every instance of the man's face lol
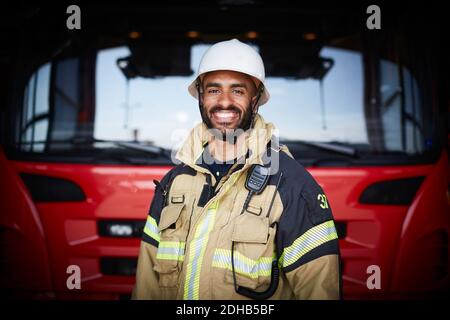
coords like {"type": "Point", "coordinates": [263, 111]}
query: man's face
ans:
{"type": "Point", "coordinates": [227, 100]}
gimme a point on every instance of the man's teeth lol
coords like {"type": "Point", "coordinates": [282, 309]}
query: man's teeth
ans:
{"type": "Point", "coordinates": [225, 114]}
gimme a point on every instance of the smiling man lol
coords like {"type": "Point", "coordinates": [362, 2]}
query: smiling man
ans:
{"type": "Point", "coordinates": [238, 217]}
{"type": "Point", "coordinates": [228, 111]}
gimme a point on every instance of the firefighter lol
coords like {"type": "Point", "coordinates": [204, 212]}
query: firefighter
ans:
{"type": "Point", "coordinates": [238, 217]}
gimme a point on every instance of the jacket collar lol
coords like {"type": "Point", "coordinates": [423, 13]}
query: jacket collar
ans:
{"type": "Point", "coordinates": [254, 145]}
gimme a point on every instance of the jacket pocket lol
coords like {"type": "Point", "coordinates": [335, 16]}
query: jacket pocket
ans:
{"type": "Point", "coordinates": [253, 252]}
{"type": "Point", "coordinates": [170, 254]}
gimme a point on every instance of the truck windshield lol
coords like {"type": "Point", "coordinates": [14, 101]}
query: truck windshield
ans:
{"type": "Point", "coordinates": [323, 108]}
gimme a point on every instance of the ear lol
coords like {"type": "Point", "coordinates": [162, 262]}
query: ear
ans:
{"type": "Point", "coordinates": [199, 87]}
{"type": "Point", "coordinates": [253, 101]}
{"type": "Point", "coordinates": [200, 97]}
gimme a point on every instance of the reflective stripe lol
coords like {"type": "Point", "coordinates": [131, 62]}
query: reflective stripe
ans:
{"type": "Point", "coordinates": [308, 241]}
{"type": "Point", "coordinates": [197, 251]}
{"type": "Point", "coordinates": [242, 264]}
{"type": "Point", "coordinates": [171, 250]}
{"type": "Point", "coordinates": [151, 228]}
{"type": "Point", "coordinates": [198, 245]}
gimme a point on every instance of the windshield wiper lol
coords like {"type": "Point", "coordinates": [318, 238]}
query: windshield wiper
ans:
{"type": "Point", "coordinates": [328, 146]}
{"type": "Point", "coordinates": [145, 148]}
{"type": "Point", "coordinates": [132, 145]}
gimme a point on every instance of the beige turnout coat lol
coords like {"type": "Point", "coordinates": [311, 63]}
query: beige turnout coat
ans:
{"type": "Point", "coordinates": [193, 220]}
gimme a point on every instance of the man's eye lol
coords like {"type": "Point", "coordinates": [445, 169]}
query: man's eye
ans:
{"type": "Point", "coordinates": [238, 92]}
{"type": "Point", "coordinates": [213, 91]}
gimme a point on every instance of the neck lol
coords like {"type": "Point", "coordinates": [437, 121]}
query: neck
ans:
{"type": "Point", "coordinates": [224, 151]}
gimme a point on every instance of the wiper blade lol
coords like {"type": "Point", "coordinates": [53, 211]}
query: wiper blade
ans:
{"type": "Point", "coordinates": [154, 150]}
{"type": "Point", "coordinates": [337, 148]}
{"type": "Point", "coordinates": [149, 149]}
{"type": "Point", "coordinates": [145, 148]}
{"type": "Point", "coordinates": [347, 150]}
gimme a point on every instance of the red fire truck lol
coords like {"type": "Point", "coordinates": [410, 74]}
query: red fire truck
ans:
{"type": "Point", "coordinates": [91, 116]}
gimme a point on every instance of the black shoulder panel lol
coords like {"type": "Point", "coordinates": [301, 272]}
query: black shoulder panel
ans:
{"type": "Point", "coordinates": [306, 210]}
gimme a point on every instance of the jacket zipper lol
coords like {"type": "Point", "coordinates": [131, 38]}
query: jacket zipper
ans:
{"type": "Point", "coordinates": [200, 214]}
{"type": "Point", "coordinates": [216, 194]}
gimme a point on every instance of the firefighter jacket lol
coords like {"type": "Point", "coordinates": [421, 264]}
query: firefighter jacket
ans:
{"type": "Point", "coordinates": [193, 220]}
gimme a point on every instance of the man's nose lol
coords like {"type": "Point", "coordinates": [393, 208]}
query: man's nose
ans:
{"type": "Point", "coordinates": [225, 99]}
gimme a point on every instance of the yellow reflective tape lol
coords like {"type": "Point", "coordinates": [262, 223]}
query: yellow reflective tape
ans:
{"type": "Point", "coordinates": [172, 244]}
{"type": "Point", "coordinates": [196, 253]}
{"type": "Point", "coordinates": [151, 234]}
{"type": "Point", "coordinates": [242, 264]}
{"type": "Point", "coordinates": [151, 228]}
{"type": "Point", "coordinates": [166, 256]}
{"type": "Point", "coordinates": [198, 246]}
{"type": "Point", "coordinates": [152, 221]}
{"type": "Point", "coordinates": [171, 250]}
{"type": "Point", "coordinates": [308, 241]}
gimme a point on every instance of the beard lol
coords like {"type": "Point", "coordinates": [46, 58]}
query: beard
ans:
{"type": "Point", "coordinates": [229, 134]}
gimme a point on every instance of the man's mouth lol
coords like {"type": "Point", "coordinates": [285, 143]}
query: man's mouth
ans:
{"type": "Point", "coordinates": [225, 116]}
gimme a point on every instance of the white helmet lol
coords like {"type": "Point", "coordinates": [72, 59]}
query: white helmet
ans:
{"type": "Point", "coordinates": [232, 55]}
